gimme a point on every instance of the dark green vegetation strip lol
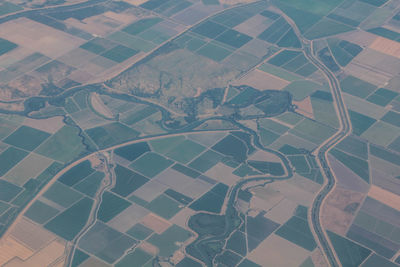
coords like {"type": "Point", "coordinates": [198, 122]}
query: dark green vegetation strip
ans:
{"type": "Point", "coordinates": [127, 181]}
{"type": "Point", "coordinates": [8, 190]}
{"type": "Point", "coordinates": [76, 173]}
{"type": "Point", "coordinates": [40, 212]}
{"type": "Point", "coordinates": [70, 222]}
{"type": "Point", "coordinates": [111, 205]}
{"type": "Point", "coordinates": [349, 253]}
{"type": "Point", "coordinates": [392, 118]}
{"type": "Point", "coordinates": [357, 165]}
{"type": "Point", "coordinates": [132, 152]}
{"type": "Point", "coordinates": [360, 122]}
{"type": "Point", "coordinates": [141, 25]}
{"type": "Point", "coordinates": [386, 33]}
{"type": "Point", "coordinates": [5, 45]}
{"type": "Point", "coordinates": [211, 201]}
{"type": "Point", "coordinates": [297, 230]}
{"type": "Point", "coordinates": [382, 97]}
{"type": "Point", "coordinates": [376, 260]}
{"type": "Point", "coordinates": [384, 154]}
{"type": "Point", "coordinates": [9, 158]}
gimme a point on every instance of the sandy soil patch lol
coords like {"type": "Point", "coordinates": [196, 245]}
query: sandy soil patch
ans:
{"type": "Point", "coordinates": [50, 125]}
{"type": "Point", "coordinates": [97, 25]}
{"type": "Point", "coordinates": [121, 17]}
{"type": "Point", "coordinates": [305, 107]}
{"type": "Point", "coordinates": [271, 249]}
{"type": "Point", "coordinates": [384, 196]}
{"type": "Point", "coordinates": [339, 209]}
{"type": "Point", "coordinates": [11, 248]}
{"type": "Point", "coordinates": [156, 223]}
{"type": "Point", "coordinates": [146, 246]}
{"type": "Point", "coordinates": [234, 2]}
{"type": "Point", "coordinates": [44, 257]}
{"type": "Point", "coordinates": [39, 37]}
{"type": "Point", "coordinates": [262, 80]}
{"type": "Point", "coordinates": [31, 235]}
{"type": "Point", "coordinates": [98, 105]}
{"type": "Point", "coordinates": [386, 46]}
{"type": "Point", "coordinates": [223, 174]}
{"type": "Point", "coordinates": [136, 2]}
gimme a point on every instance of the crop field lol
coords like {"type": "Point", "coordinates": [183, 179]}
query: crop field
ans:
{"type": "Point", "coordinates": [191, 133]}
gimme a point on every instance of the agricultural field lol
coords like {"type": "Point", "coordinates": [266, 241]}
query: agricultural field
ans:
{"type": "Point", "coordinates": [200, 133]}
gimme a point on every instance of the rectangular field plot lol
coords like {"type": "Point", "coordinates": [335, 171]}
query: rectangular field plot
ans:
{"type": "Point", "coordinates": [62, 146]}
{"type": "Point", "coordinates": [381, 133]}
{"type": "Point", "coordinates": [141, 25]}
{"type": "Point", "coordinates": [151, 164]}
{"type": "Point", "coordinates": [8, 191]}
{"type": "Point", "coordinates": [111, 134]}
{"type": "Point", "coordinates": [29, 167]}
{"type": "Point", "coordinates": [131, 41]}
{"type": "Point", "coordinates": [119, 53]}
{"type": "Point", "coordinates": [9, 158]}
{"type": "Point", "coordinates": [382, 97]}
{"type": "Point", "coordinates": [76, 173]}
{"type": "Point", "coordinates": [127, 181]}
{"type": "Point", "coordinates": [166, 242]}
{"type": "Point", "coordinates": [26, 138]}
{"type": "Point", "coordinates": [40, 212]}
{"type": "Point", "coordinates": [62, 195]}
{"type": "Point", "coordinates": [111, 206]}
{"type": "Point", "coordinates": [312, 131]}
{"type": "Point", "coordinates": [357, 87]}
{"type": "Point", "coordinates": [70, 222]}
{"type": "Point", "coordinates": [105, 242]}
{"type": "Point", "coordinates": [214, 52]}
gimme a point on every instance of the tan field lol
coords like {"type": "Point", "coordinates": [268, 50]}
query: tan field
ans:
{"type": "Point", "coordinates": [155, 223]}
{"type": "Point", "coordinates": [149, 248]}
{"type": "Point", "coordinates": [99, 106]}
{"type": "Point", "coordinates": [262, 80]}
{"type": "Point", "coordinates": [305, 107]}
{"type": "Point", "coordinates": [270, 251]}
{"type": "Point", "coordinates": [48, 255]}
{"type": "Point", "coordinates": [39, 37]}
{"type": "Point", "coordinates": [384, 196]}
{"type": "Point", "coordinates": [136, 2]}
{"type": "Point", "coordinates": [11, 248]}
{"type": "Point", "coordinates": [386, 46]}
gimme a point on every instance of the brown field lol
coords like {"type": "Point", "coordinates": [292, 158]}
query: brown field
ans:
{"type": "Point", "coordinates": [149, 248]}
{"type": "Point", "coordinates": [262, 80]}
{"type": "Point", "coordinates": [11, 248]}
{"type": "Point", "coordinates": [50, 125]}
{"type": "Point", "coordinates": [156, 223]}
{"type": "Point", "coordinates": [99, 106]}
{"type": "Point", "coordinates": [46, 256]}
{"type": "Point", "coordinates": [271, 249]}
{"type": "Point", "coordinates": [39, 37]}
{"type": "Point", "coordinates": [386, 46]}
{"type": "Point", "coordinates": [384, 196]}
{"type": "Point", "coordinates": [305, 107]}
{"type": "Point", "coordinates": [336, 214]}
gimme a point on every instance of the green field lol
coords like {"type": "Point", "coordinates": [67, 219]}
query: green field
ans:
{"type": "Point", "coordinates": [166, 242]}
{"type": "Point", "coordinates": [357, 165]}
{"type": "Point", "coordinates": [9, 158]}
{"type": "Point", "coordinates": [350, 254]}
{"type": "Point", "coordinates": [119, 53]}
{"type": "Point", "coordinates": [111, 206]}
{"type": "Point", "coordinates": [185, 151]}
{"type": "Point", "coordinates": [360, 122]}
{"type": "Point", "coordinates": [8, 190]}
{"type": "Point", "coordinates": [141, 25]}
{"type": "Point", "coordinates": [357, 87]}
{"type": "Point", "coordinates": [111, 134]}
{"type": "Point", "coordinates": [62, 146]}
{"type": "Point", "coordinates": [70, 222]}
{"type": "Point", "coordinates": [127, 181]}
{"type": "Point", "coordinates": [206, 161]}
{"type": "Point", "coordinates": [211, 201]}
{"type": "Point", "coordinates": [40, 212]}
{"type": "Point", "coordinates": [76, 173]}
{"type": "Point", "coordinates": [151, 164]}
{"type": "Point", "coordinates": [62, 195]}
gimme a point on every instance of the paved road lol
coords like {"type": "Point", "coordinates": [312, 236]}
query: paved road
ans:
{"type": "Point", "coordinates": [322, 151]}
